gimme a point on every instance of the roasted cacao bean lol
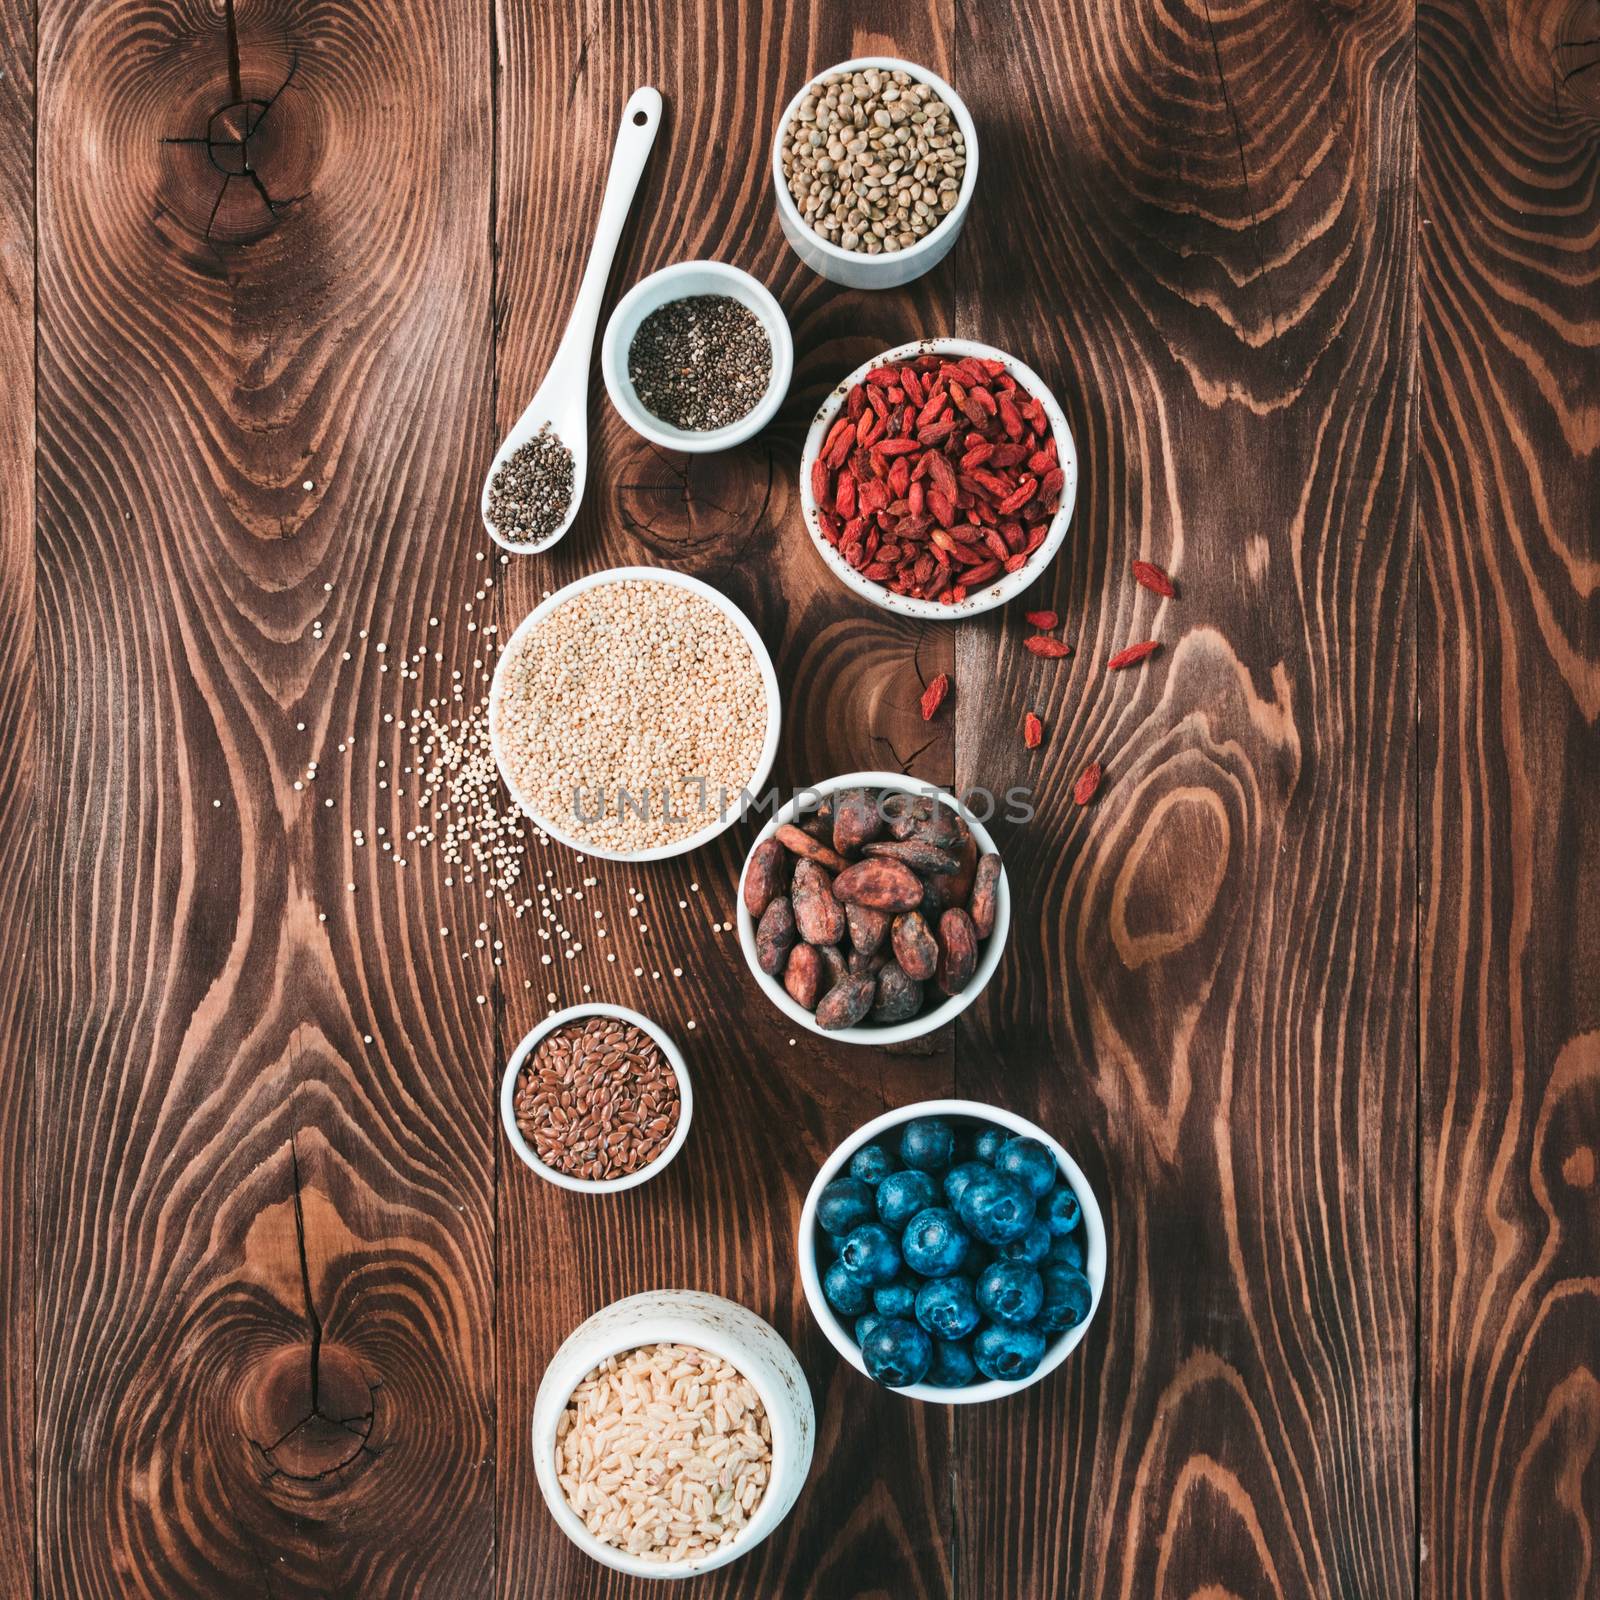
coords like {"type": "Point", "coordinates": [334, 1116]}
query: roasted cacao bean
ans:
{"type": "Point", "coordinates": [803, 976]}
{"type": "Point", "coordinates": [880, 885]}
{"type": "Point", "coordinates": [915, 948]}
{"type": "Point", "coordinates": [775, 936]}
{"type": "Point", "coordinates": [958, 950]}
{"type": "Point", "coordinates": [817, 913]}
{"type": "Point", "coordinates": [846, 1003]}
{"type": "Point", "coordinates": [985, 895]}
{"type": "Point", "coordinates": [764, 876]}
{"type": "Point", "coordinates": [808, 849]}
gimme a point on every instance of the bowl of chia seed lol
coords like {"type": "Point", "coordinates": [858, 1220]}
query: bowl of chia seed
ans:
{"type": "Point", "coordinates": [697, 357]}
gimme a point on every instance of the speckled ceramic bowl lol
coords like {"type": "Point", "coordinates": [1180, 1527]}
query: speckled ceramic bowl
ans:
{"type": "Point", "coordinates": [1008, 585]}
{"type": "Point", "coordinates": [740, 1337]}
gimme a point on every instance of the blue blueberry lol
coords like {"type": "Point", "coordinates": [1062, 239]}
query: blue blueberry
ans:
{"type": "Point", "coordinates": [952, 1366]}
{"type": "Point", "coordinates": [927, 1144]}
{"type": "Point", "coordinates": [871, 1164]}
{"type": "Point", "coordinates": [947, 1309]}
{"type": "Point", "coordinates": [934, 1243]}
{"type": "Point", "coordinates": [995, 1208]}
{"type": "Point", "coordinates": [865, 1324]}
{"type": "Point", "coordinates": [844, 1292]}
{"type": "Point", "coordinates": [958, 1177]}
{"type": "Point", "coordinates": [844, 1204]}
{"type": "Point", "coordinates": [1030, 1163]}
{"type": "Point", "coordinates": [902, 1195]}
{"type": "Point", "coordinates": [1062, 1211]}
{"type": "Point", "coordinates": [870, 1254]}
{"type": "Point", "coordinates": [897, 1299]}
{"type": "Point", "coordinates": [1067, 1298]}
{"type": "Point", "coordinates": [1031, 1247]}
{"type": "Point", "coordinates": [989, 1143]}
{"type": "Point", "coordinates": [1007, 1354]}
{"type": "Point", "coordinates": [1011, 1291]}
{"type": "Point", "coordinates": [897, 1352]}
{"type": "Point", "coordinates": [1067, 1252]}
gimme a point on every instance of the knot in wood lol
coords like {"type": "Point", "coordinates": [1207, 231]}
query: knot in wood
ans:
{"type": "Point", "coordinates": [310, 1410]}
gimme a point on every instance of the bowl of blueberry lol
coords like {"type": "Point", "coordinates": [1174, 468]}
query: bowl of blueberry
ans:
{"type": "Point", "coordinates": [952, 1251]}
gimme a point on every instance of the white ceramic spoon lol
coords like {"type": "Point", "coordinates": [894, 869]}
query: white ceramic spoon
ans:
{"type": "Point", "coordinates": [563, 397]}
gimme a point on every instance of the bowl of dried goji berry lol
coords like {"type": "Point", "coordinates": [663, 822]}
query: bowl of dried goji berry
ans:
{"type": "Point", "coordinates": [938, 479]}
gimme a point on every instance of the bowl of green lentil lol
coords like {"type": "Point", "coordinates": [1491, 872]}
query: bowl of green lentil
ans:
{"type": "Point", "coordinates": [697, 357]}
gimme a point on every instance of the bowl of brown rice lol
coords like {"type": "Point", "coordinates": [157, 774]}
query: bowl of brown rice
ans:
{"type": "Point", "coordinates": [631, 711]}
{"type": "Point", "coordinates": [596, 1099]}
{"type": "Point", "coordinates": [672, 1432]}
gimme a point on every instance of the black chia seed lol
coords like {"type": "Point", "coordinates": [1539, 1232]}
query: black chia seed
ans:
{"type": "Point", "coordinates": [700, 363]}
{"type": "Point", "coordinates": [530, 495]}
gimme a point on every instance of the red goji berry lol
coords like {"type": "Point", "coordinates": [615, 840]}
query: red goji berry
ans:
{"type": "Point", "coordinates": [1042, 645]}
{"type": "Point", "coordinates": [1134, 653]}
{"type": "Point", "coordinates": [1149, 576]}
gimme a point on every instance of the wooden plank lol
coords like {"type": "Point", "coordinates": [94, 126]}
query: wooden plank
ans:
{"type": "Point", "coordinates": [265, 1140]}
{"type": "Point", "coordinates": [768, 1110]}
{"type": "Point", "coordinates": [18, 779]}
{"type": "Point", "coordinates": [1203, 222]}
{"type": "Point", "coordinates": [1509, 646]}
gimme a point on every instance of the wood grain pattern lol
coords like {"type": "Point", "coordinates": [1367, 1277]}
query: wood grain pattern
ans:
{"type": "Point", "coordinates": [1309, 989]}
{"type": "Point", "coordinates": [1230, 1044]}
{"type": "Point", "coordinates": [1509, 1448]}
{"type": "Point", "coordinates": [18, 788]}
{"type": "Point", "coordinates": [265, 1158]}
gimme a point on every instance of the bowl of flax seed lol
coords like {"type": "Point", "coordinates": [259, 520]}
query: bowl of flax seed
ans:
{"type": "Point", "coordinates": [596, 1099]}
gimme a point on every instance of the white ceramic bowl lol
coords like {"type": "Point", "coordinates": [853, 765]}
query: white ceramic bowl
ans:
{"type": "Point", "coordinates": [769, 679]}
{"type": "Point", "coordinates": [871, 1033]}
{"type": "Point", "coordinates": [1009, 584]}
{"type": "Point", "coordinates": [508, 1094]}
{"type": "Point", "coordinates": [677, 282]}
{"type": "Point", "coordinates": [1094, 1231]}
{"type": "Point", "coordinates": [852, 267]}
{"type": "Point", "coordinates": [682, 1316]}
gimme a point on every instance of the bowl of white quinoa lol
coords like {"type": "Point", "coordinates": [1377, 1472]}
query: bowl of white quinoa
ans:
{"type": "Point", "coordinates": [631, 710]}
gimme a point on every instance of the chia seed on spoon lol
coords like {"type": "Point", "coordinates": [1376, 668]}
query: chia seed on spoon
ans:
{"type": "Point", "coordinates": [700, 363]}
{"type": "Point", "coordinates": [531, 494]}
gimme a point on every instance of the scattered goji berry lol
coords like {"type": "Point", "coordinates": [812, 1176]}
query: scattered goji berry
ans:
{"type": "Point", "coordinates": [1032, 731]}
{"type": "Point", "coordinates": [1134, 653]}
{"type": "Point", "coordinates": [1088, 784]}
{"type": "Point", "coordinates": [1150, 576]}
{"type": "Point", "coordinates": [1043, 619]}
{"type": "Point", "coordinates": [934, 696]}
{"type": "Point", "coordinates": [1050, 649]}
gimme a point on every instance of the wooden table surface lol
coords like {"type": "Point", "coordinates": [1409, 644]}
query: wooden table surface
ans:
{"type": "Point", "coordinates": [1312, 991]}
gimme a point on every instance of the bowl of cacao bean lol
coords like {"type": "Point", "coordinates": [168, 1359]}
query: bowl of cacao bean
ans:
{"type": "Point", "coordinates": [938, 479]}
{"type": "Point", "coordinates": [596, 1099]}
{"type": "Point", "coordinates": [873, 908]}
